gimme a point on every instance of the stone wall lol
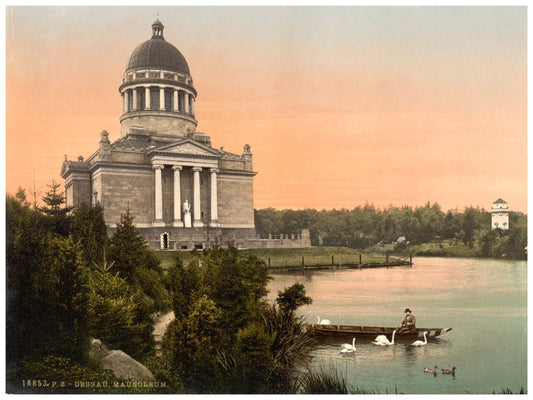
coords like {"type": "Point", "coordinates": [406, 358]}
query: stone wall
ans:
{"type": "Point", "coordinates": [179, 238]}
{"type": "Point", "coordinates": [235, 201]}
{"type": "Point", "coordinates": [78, 191]}
{"type": "Point", "coordinates": [280, 241]}
{"type": "Point", "coordinates": [119, 191]}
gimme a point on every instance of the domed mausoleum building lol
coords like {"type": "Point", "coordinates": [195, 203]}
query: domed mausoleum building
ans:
{"type": "Point", "coordinates": [182, 192]}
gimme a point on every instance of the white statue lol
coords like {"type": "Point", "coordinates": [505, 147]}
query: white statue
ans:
{"type": "Point", "coordinates": [187, 214]}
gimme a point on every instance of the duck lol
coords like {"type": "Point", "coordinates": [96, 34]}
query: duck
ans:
{"type": "Point", "coordinates": [448, 371]}
{"type": "Point", "coordinates": [431, 370]}
{"type": "Point", "coordinates": [419, 343]}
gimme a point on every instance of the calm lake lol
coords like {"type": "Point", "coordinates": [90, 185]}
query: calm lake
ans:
{"type": "Point", "coordinates": [484, 301]}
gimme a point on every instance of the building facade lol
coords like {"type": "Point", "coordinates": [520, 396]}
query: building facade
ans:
{"type": "Point", "coordinates": [182, 192]}
{"type": "Point", "coordinates": [499, 214]}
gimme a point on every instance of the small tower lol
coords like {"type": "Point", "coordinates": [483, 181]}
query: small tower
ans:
{"type": "Point", "coordinates": [499, 215]}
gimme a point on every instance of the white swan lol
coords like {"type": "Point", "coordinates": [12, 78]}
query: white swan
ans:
{"type": "Point", "coordinates": [348, 348]}
{"type": "Point", "coordinates": [382, 340]}
{"type": "Point", "coordinates": [419, 343]}
{"type": "Point", "coordinates": [323, 322]}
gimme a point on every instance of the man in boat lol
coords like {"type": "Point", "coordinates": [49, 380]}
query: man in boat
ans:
{"type": "Point", "coordinates": [408, 325]}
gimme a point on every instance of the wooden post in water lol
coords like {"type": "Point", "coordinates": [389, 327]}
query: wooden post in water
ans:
{"type": "Point", "coordinates": [269, 262]}
{"type": "Point", "coordinates": [303, 264]}
{"type": "Point", "coordinates": [359, 258]}
{"type": "Point", "coordinates": [387, 258]}
{"type": "Point", "coordinates": [411, 259]}
{"type": "Point", "coordinates": [332, 260]}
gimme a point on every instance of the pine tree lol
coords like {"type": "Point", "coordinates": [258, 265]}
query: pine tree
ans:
{"type": "Point", "coordinates": [45, 288]}
{"type": "Point", "coordinates": [89, 228]}
{"type": "Point", "coordinates": [137, 264]}
{"type": "Point", "coordinates": [116, 313]}
{"type": "Point", "coordinates": [57, 214]}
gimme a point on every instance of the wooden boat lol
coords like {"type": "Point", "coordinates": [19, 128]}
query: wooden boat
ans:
{"type": "Point", "coordinates": [372, 331]}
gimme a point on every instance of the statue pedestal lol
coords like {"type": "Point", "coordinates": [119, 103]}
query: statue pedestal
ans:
{"type": "Point", "coordinates": [187, 220]}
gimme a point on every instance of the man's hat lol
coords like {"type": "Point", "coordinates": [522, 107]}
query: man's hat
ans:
{"type": "Point", "coordinates": [407, 310]}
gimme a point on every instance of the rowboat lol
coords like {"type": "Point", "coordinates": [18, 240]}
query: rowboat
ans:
{"type": "Point", "coordinates": [372, 331]}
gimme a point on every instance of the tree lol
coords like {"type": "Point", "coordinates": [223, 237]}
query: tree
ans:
{"type": "Point", "coordinates": [190, 344]}
{"type": "Point", "coordinates": [89, 228]}
{"type": "Point", "coordinates": [57, 214]}
{"type": "Point", "coordinates": [116, 312]}
{"type": "Point", "coordinates": [293, 297]}
{"type": "Point", "coordinates": [238, 285]}
{"type": "Point", "coordinates": [183, 282]}
{"type": "Point", "coordinates": [470, 225]}
{"type": "Point", "coordinates": [226, 339]}
{"type": "Point", "coordinates": [137, 264]}
{"type": "Point", "coordinates": [45, 288]}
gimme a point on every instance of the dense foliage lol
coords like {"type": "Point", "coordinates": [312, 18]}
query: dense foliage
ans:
{"type": "Point", "coordinates": [61, 290]}
{"type": "Point", "coordinates": [363, 227]}
{"type": "Point", "coordinates": [46, 300]}
{"type": "Point", "coordinates": [226, 338]}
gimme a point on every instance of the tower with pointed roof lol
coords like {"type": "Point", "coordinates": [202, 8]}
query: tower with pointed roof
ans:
{"type": "Point", "coordinates": [182, 192]}
{"type": "Point", "coordinates": [499, 215]}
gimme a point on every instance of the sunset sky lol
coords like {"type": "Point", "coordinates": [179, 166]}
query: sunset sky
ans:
{"type": "Point", "coordinates": [341, 106]}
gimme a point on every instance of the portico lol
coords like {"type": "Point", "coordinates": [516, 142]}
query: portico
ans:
{"type": "Point", "coordinates": [186, 159]}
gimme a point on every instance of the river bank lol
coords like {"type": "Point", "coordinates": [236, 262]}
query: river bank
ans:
{"type": "Point", "coordinates": [443, 248]}
{"type": "Point", "coordinates": [310, 257]}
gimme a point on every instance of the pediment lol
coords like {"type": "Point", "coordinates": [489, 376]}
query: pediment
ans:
{"type": "Point", "coordinates": [186, 147]}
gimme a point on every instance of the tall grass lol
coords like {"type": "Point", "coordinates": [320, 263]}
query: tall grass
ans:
{"type": "Point", "coordinates": [509, 391]}
{"type": "Point", "coordinates": [326, 379]}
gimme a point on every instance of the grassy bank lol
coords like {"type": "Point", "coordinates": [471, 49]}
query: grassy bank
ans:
{"type": "Point", "coordinates": [286, 258]}
{"type": "Point", "coordinates": [443, 248]}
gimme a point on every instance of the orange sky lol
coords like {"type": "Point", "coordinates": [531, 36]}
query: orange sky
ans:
{"type": "Point", "coordinates": [341, 105]}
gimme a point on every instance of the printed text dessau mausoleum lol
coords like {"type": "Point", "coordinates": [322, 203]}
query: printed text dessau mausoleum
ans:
{"type": "Point", "coordinates": [182, 192]}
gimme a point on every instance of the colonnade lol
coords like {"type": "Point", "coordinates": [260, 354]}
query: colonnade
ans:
{"type": "Point", "coordinates": [187, 99]}
{"type": "Point", "coordinates": [197, 213]}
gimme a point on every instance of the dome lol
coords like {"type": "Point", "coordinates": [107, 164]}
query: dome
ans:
{"type": "Point", "coordinates": [158, 53]}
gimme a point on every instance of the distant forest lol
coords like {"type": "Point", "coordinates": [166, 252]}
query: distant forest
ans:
{"type": "Point", "coordinates": [366, 226]}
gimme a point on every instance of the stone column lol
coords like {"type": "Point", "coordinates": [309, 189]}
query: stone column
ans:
{"type": "Point", "coordinates": [158, 190]}
{"type": "Point", "coordinates": [197, 223]}
{"type": "Point", "coordinates": [161, 98]}
{"type": "Point", "coordinates": [148, 98]}
{"type": "Point", "coordinates": [177, 196]}
{"type": "Point", "coordinates": [176, 102]}
{"type": "Point", "coordinates": [214, 199]}
{"type": "Point", "coordinates": [186, 102]}
{"type": "Point", "coordinates": [134, 94]}
{"type": "Point", "coordinates": [126, 101]}
{"type": "Point", "coordinates": [192, 105]}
